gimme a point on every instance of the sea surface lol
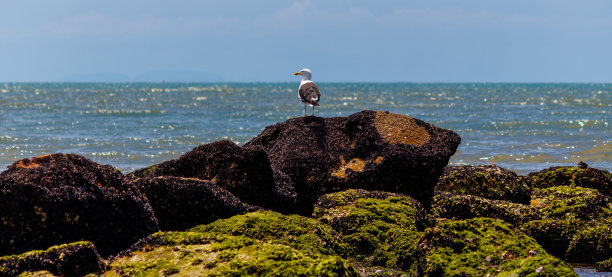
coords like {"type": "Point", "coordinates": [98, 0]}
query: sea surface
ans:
{"type": "Point", "coordinates": [522, 127]}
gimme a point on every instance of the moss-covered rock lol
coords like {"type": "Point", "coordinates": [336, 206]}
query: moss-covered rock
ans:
{"type": "Point", "coordinates": [255, 244]}
{"type": "Point", "coordinates": [592, 243]}
{"type": "Point", "coordinates": [484, 247]}
{"type": "Point", "coordinates": [74, 259]}
{"type": "Point", "coordinates": [453, 206]}
{"type": "Point", "coordinates": [571, 202]}
{"type": "Point", "coordinates": [182, 203]}
{"type": "Point", "coordinates": [302, 233]}
{"type": "Point", "coordinates": [580, 175]}
{"type": "Point", "coordinates": [488, 181]}
{"type": "Point", "coordinates": [567, 211]}
{"type": "Point", "coordinates": [379, 228]}
{"type": "Point", "coordinates": [553, 234]}
{"type": "Point", "coordinates": [605, 265]}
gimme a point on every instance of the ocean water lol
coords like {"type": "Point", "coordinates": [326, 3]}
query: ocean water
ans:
{"type": "Point", "coordinates": [522, 127]}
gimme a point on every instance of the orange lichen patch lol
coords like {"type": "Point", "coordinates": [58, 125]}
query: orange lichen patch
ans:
{"type": "Point", "coordinates": [26, 164]}
{"type": "Point", "coordinates": [355, 164]}
{"type": "Point", "coordinates": [536, 202]}
{"type": "Point", "coordinates": [397, 128]}
{"type": "Point", "coordinates": [378, 159]}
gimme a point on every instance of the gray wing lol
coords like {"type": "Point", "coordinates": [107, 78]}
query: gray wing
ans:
{"type": "Point", "coordinates": [309, 93]}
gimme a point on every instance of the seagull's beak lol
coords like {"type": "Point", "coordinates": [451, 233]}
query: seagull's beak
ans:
{"type": "Point", "coordinates": [297, 73]}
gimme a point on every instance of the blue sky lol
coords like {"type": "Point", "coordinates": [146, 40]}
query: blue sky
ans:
{"type": "Point", "coordinates": [266, 41]}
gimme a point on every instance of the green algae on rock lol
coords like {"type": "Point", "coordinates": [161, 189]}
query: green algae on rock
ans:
{"type": "Point", "coordinates": [453, 206]}
{"type": "Point", "coordinates": [488, 181]}
{"type": "Point", "coordinates": [73, 259]}
{"type": "Point", "coordinates": [484, 246]}
{"type": "Point", "coordinates": [301, 233]}
{"type": "Point", "coordinates": [567, 211]}
{"type": "Point", "coordinates": [593, 243]}
{"type": "Point", "coordinates": [261, 243]}
{"type": "Point", "coordinates": [605, 265]}
{"type": "Point", "coordinates": [553, 234]}
{"type": "Point", "coordinates": [379, 228]}
{"type": "Point", "coordinates": [581, 175]}
{"type": "Point", "coordinates": [571, 202]}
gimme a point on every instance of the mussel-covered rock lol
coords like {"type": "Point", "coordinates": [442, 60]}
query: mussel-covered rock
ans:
{"type": "Point", "coordinates": [181, 203]}
{"type": "Point", "coordinates": [370, 150]}
{"type": "Point", "coordinates": [61, 198]}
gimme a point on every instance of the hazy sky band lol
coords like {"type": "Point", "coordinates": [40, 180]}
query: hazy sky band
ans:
{"type": "Point", "coordinates": [266, 41]}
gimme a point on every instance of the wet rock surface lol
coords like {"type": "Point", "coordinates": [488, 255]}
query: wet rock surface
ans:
{"type": "Point", "coordinates": [488, 181]}
{"type": "Point", "coordinates": [369, 150]}
{"type": "Point", "coordinates": [243, 171]}
{"type": "Point", "coordinates": [181, 203]}
{"type": "Point", "coordinates": [62, 198]}
{"type": "Point", "coordinates": [74, 259]}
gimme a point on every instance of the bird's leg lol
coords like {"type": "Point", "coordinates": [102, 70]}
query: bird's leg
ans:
{"type": "Point", "coordinates": [304, 109]}
{"type": "Point", "coordinates": [313, 110]}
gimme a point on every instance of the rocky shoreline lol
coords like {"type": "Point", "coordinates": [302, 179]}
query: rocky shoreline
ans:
{"type": "Point", "coordinates": [367, 194]}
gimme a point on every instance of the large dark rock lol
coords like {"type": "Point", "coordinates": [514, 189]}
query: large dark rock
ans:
{"type": "Point", "coordinates": [488, 181]}
{"type": "Point", "coordinates": [371, 150]}
{"type": "Point", "coordinates": [580, 175]}
{"type": "Point", "coordinates": [74, 259]}
{"type": "Point", "coordinates": [181, 203]}
{"type": "Point", "coordinates": [243, 171]}
{"type": "Point", "coordinates": [60, 198]}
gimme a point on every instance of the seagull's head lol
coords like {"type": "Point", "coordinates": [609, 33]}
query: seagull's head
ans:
{"type": "Point", "coordinates": [306, 74]}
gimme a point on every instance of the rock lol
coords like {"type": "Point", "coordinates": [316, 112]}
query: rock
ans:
{"type": "Point", "coordinates": [605, 265]}
{"type": "Point", "coordinates": [369, 150]}
{"type": "Point", "coordinates": [453, 206]}
{"type": "Point", "coordinates": [570, 202]}
{"type": "Point", "coordinates": [593, 243]}
{"type": "Point", "coordinates": [262, 243]}
{"type": "Point", "coordinates": [581, 175]}
{"type": "Point", "coordinates": [61, 198]}
{"type": "Point", "coordinates": [488, 181]}
{"type": "Point", "coordinates": [567, 211]}
{"type": "Point", "coordinates": [243, 171]}
{"type": "Point", "coordinates": [380, 229]}
{"type": "Point", "coordinates": [554, 235]}
{"type": "Point", "coordinates": [484, 246]}
{"type": "Point", "coordinates": [302, 233]}
{"type": "Point", "coordinates": [74, 259]}
{"type": "Point", "coordinates": [181, 203]}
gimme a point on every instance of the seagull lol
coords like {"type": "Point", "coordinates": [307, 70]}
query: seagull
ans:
{"type": "Point", "coordinates": [308, 91]}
